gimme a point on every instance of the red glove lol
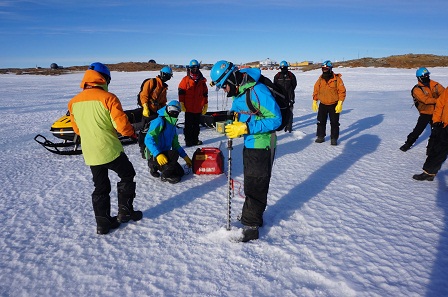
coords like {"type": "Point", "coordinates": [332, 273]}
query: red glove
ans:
{"type": "Point", "coordinates": [134, 137]}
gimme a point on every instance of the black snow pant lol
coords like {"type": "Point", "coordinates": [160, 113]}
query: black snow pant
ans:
{"type": "Point", "coordinates": [170, 169]}
{"type": "Point", "coordinates": [422, 121]}
{"type": "Point", "coordinates": [100, 196]}
{"type": "Point", "coordinates": [257, 176]}
{"type": "Point", "coordinates": [323, 113]}
{"type": "Point", "coordinates": [437, 150]}
{"type": "Point", "coordinates": [192, 128]}
{"type": "Point", "coordinates": [288, 127]}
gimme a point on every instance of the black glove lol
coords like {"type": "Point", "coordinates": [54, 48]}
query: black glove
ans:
{"type": "Point", "coordinates": [438, 124]}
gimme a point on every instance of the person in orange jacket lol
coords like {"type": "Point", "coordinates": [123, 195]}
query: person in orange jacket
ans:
{"type": "Point", "coordinates": [152, 97]}
{"type": "Point", "coordinates": [437, 150]}
{"type": "Point", "coordinates": [329, 89]}
{"type": "Point", "coordinates": [97, 115]}
{"type": "Point", "coordinates": [425, 94]}
{"type": "Point", "coordinates": [153, 93]}
{"type": "Point", "coordinates": [193, 98]}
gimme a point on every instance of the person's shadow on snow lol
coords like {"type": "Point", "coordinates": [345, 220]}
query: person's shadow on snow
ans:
{"type": "Point", "coordinates": [354, 150]}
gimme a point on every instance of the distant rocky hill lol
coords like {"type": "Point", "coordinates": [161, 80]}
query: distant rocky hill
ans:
{"type": "Point", "coordinates": [399, 61]}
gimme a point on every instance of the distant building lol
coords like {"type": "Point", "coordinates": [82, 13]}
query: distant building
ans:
{"type": "Point", "coordinates": [299, 64]}
{"type": "Point", "coordinates": [268, 63]}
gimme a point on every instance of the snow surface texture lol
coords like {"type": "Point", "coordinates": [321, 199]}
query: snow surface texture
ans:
{"type": "Point", "coordinates": [341, 221]}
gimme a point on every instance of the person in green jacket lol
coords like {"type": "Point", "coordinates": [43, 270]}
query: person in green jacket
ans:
{"type": "Point", "coordinates": [97, 115]}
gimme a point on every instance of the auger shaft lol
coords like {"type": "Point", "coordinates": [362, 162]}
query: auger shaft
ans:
{"type": "Point", "coordinates": [229, 182]}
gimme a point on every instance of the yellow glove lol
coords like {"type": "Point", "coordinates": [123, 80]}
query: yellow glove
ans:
{"type": "Point", "coordinates": [182, 107]}
{"type": "Point", "coordinates": [236, 129]}
{"type": "Point", "coordinates": [188, 161]}
{"type": "Point", "coordinates": [338, 108]}
{"type": "Point", "coordinates": [161, 159]}
{"type": "Point", "coordinates": [315, 106]}
{"type": "Point", "coordinates": [145, 112]}
{"type": "Point", "coordinates": [204, 109]}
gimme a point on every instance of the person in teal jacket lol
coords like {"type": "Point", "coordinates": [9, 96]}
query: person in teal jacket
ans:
{"type": "Point", "coordinates": [162, 144]}
{"type": "Point", "coordinates": [259, 136]}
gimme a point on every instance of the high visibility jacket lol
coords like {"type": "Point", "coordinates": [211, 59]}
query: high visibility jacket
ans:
{"type": "Point", "coordinates": [261, 128]}
{"type": "Point", "coordinates": [427, 96]}
{"type": "Point", "coordinates": [330, 92]}
{"type": "Point", "coordinates": [96, 116]}
{"type": "Point", "coordinates": [162, 135]}
{"type": "Point", "coordinates": [155, 97]}
{"type": "Point", "coordinates": [441, 110]}
{"type": "Point", "coordinates": [193, 94]}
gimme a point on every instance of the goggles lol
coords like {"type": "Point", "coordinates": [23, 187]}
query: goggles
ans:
{"type": "Point", "coordinates": [173, 111]}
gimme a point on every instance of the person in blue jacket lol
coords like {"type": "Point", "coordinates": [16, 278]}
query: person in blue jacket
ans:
{"type": "Point", "coordinates": [163, 146]}
{"type": "Point", "coordinates": [260, 138]}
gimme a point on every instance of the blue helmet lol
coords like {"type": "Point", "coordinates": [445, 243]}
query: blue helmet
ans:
{"type": "Point", "coordinates": [220, 72]}
{"type": "Point", "coordinates": [327, 64]}
{"type": "Point", "coordinates": [102, 69]}
{"type": "Point", "coordinates": [421, 72]}
{"type": "Point", "coordinates": [173, 108]}
{"type": "Point", "coordinates": [283, 64]}
{"type": "Point", "coordinates": [194, 63]}
{"type": "Point", "coordinates": [166, 73]}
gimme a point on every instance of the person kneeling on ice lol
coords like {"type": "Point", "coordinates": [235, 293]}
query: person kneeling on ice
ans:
{"type": "Point", "coordinates": [259, 136]}
{"type": "Point", "coordinates": [162, 145]}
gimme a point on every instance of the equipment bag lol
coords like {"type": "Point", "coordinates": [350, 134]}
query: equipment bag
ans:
{"type": "Point", "coordinates": [208, 160]}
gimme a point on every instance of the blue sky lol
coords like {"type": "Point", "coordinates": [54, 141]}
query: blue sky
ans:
{"type": "Point", "coordinates": [38, 33]}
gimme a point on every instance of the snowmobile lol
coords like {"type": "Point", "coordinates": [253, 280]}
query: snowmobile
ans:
{"type": "Point", "coordinates": [62, 129]}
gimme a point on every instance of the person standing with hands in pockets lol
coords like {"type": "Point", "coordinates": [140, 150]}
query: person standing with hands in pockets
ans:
{"type": "Point", "coordinates": [329, 89]}
{"type": "Point", "coordinates": [286, 80]}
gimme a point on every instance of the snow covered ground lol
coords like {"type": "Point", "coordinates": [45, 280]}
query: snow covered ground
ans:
{"type": "Point", "coordinates": [341, 221]}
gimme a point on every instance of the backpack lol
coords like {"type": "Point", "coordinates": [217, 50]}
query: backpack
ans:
{"type": "Point", "coordinates": [280, 98]}
{"type": "Point", "coordinates": [416, 102]}
{"type": "Point", "coordinates": [154, 85]}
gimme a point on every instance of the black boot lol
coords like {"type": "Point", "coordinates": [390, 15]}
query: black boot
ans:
{"type": "Point", "coordinates": [250, 233]}
{"type": "Point", "coordinates": [405, 146]}
{"type": "Point", "coordinates": [105, 224]}
{"type": "Point", "coordinates": [424, 176]}
{"type": "Point", "coordinates": [101, 208]}
{"type": "Point", "coordinates": [319, 139]}
{"type": "Point", "coordinates": [126, 195]}
{"type": "Point", "coordinates": [154, 171]}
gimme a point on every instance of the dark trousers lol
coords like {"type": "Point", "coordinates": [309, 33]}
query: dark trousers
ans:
{"type": "Point", "coordinates": [422, 121]}
{"type": "Point", "coordinates": [288, 127]}
{"type": "Point", "coordinates": [170, 169]}
{"type": "Point", "coordinates": [437, 150]}
{"type": "Point", "coordinates": [323, 113]}
{"type": "Point", "coordinates": [100, 196]}
{"type": "Point", "coordinates": [257, 176]}
{"type": "Point", "coordinates": [121, 165]}
{"type": "Point", "coordinates": [191, 128]}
